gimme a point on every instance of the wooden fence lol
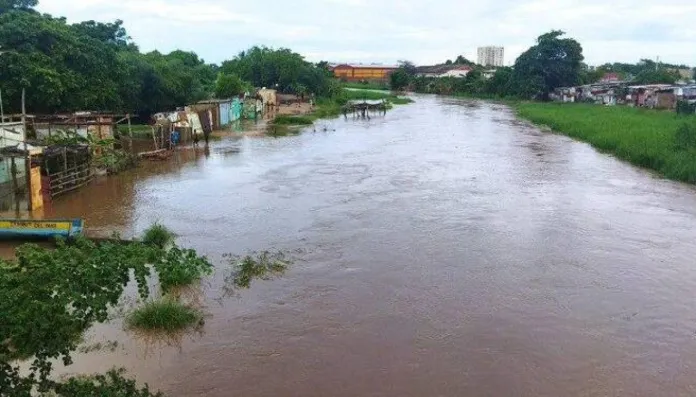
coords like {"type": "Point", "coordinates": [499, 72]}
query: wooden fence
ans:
{"type": "Point", "coordinates": [70, 179]}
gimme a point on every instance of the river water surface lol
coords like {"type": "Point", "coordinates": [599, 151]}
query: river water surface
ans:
{"type": "Point", "coordinates": [446, 249]}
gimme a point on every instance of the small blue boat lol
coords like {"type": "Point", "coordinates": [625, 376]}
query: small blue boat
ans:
{"type": "Point", "coordinates": [40, 229]}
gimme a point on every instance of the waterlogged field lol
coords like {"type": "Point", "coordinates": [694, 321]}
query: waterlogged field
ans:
{"type": "Point", "coordinates": [647, 138]}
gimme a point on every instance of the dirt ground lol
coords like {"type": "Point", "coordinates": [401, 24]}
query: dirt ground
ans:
{"type": "Point", "coordinates": [295, 109]}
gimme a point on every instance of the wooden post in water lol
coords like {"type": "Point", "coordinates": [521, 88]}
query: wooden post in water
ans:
{"type": "Point", "coordinates": [27, 159]}
{"type": "Point", "coordinates": [130, 132]}
{"type": "Point", "coordinates": [154, 138]}
{"type": "Point", "coordinates": [13, 171]}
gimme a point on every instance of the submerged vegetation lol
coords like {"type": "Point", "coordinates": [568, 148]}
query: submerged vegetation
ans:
{"type": "Point", "coordinates": [50, 297]}
{"type": "Point", "coordinates": [166, 315]}
{"type": "Point", "coordinates": [661, 141]}
{"type": "Point", "coordinates": [158, 235]}
{"type": "Point", "coordinates": [261, 265]}
{"type": "Point", "coordinates": [112, 384]}
{"type": "Point", "coordinates": [179, 267]}
{"type": "Point", "coordinates": [370, 95]}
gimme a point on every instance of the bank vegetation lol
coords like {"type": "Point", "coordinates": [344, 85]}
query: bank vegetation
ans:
{"type": "Point", "coordinates": [658, 140]}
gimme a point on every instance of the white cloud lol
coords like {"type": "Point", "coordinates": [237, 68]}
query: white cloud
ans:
{"type": "Point", "coordinates": [386, 31]}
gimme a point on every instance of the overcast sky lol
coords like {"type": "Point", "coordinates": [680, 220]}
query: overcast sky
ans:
{"type": "Point", "coordinates": [389, 30]}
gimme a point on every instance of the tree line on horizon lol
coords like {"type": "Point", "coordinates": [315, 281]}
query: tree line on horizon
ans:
{"type": "Point", "coordinates": [96, 66]}
{"type": "Point", "coordinates": [554, 61]}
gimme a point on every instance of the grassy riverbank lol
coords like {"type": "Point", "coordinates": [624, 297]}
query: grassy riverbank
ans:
{"type": "Point", "coordinates": [367, 85]}
{"type": "Point", "coordinates": [372, 95]}
{"type": "Point", "coordinates": [331, 107]}
{"type": "Point", "coordinates": [647, 138]}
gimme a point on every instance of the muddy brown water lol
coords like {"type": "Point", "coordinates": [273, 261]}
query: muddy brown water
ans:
{"type": "Point", "coordinates": [446, 249]}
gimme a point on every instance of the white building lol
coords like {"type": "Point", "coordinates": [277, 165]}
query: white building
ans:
{"type": "Point", "coordinates": [11, 134]}
{"type": "Point", "coordinates": [491, 56]}
{"type": "Point", "coordinates": [459, 72]}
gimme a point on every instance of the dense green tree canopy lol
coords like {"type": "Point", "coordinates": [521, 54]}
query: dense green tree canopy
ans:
{"type": "Point", "coordinates": [282, 69]}
{"type": "Point", "coordinates": [228, 85]}
{"type": "Point", "coordinates": [91, 66]}
{"type": "Point", "coordinates": [400, 79]}
{"type": "Point", "coordinates": [7, 5]}
{"type": "Point", "coordinates": [656, 76]}
{"type": "Point", "coordinates": [553, 62]}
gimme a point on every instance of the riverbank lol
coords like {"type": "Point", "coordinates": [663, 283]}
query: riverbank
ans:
{"type": "Point", "coordinates": [646, 138]}
{"type": "Point", "coordinates": [332, 107]}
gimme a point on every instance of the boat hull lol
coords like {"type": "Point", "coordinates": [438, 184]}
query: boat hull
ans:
{"type": "Point", "coordinates": [40, 229]}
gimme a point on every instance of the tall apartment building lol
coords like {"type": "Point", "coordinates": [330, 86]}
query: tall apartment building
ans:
{"type": "Point", "coordinates": [491, 56]}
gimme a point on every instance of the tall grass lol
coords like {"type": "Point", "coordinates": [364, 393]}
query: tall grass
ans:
{"type": "Point", "coordinates": [165, 315]}
{"type": "Point", "coordinates": [647, 138]}
{"type": "Point", "coordinates": [158, 235]}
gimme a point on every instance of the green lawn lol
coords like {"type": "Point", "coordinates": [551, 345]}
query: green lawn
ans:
{"type": "Point", "coordinates": [372, 95]}
{"type": "Point", "coordinates": [642, 137]}
{"type": "Point", "coordinates": [372, 85]}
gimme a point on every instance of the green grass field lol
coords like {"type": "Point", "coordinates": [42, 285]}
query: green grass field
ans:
{"type": "Point", "coordinates": [371, 85]}
{"type": "Point", "coordinates": [646, 138]}
{"type": "Point", "coordinates": [371, 95]}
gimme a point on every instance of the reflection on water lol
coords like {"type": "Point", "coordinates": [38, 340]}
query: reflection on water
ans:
{"type": "Point", "coordinates": [450, 250]}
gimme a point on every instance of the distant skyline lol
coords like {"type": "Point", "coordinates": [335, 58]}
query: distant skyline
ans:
{"type": "Point", "coordinates": [368, 31]}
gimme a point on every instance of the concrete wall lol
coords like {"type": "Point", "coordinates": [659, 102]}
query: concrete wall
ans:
{"type": "Point", "coordinates": [11, 134]}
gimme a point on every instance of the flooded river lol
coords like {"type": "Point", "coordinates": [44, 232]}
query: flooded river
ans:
{"type": "Point", "coordinates": [446, 249]}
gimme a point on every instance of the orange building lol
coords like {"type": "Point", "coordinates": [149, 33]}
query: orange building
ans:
{"type": "Point", "coordinates": [362, 72]}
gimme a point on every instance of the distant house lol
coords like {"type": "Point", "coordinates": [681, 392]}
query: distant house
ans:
{"type": "Point", "coordinates": [488, 74]}
{"type": "Point", "coordinates": [459, 71]}
{"type": "Point", "coordinates": [363, 72]}
{"type": "Point", "coordinates": [610, 78]}
{"type": "Point", "coordinates": [439, 71]}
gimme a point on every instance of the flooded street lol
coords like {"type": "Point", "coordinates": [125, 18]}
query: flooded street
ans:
{"type": "Point", "coordinates": [446, 249]}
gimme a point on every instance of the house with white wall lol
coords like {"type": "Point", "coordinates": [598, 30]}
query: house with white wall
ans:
{"type": "Point", "coordinates": [459, 71]}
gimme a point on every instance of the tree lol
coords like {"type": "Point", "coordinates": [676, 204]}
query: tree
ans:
{"type": "Point", "coordinates": [474, 82]}
{"type": "Point", "coordinates": [111, 33]}
{"type": "Point", "coordinates": [408, 67]}
{"type": "Point", "coordinates": [462, 61]}
{"type": "Point", "coordinates": [656, 76]}
{"type": "Point", "coordinates": [501, 82]}
{"type": "Point", "coordinates": [553, 62]}
{"type": "Point", "coordinates": [448, 62]}
{"type": "Point", "coordinates": [400, 79]}
{"type": "Point", "coordinates": [228, 85]}
{"type": "Point", "coordinates": [8, 5]}
{"type": "Point", "coordinates": [281, 68]}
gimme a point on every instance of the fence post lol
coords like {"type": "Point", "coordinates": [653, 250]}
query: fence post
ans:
{"type": "Point", "coordinates": [27, 160]}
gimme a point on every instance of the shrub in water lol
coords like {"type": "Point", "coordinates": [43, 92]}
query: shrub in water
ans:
{"type": "Point", "coordinates": [180, 267]}
{"type": "Point", "coordinates": [164, 315]}
{"type": "Point", "coordinates": [158, 236]}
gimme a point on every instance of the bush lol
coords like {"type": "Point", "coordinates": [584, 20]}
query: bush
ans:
{"type": "Point", "coordinates": [158, 236]}
{"type": "Point", "coordinates": [181, 267]}
{"type": "Point", "coordinates": [164, 315]}
{"type": "Point", "coordinates": [686, 108]}
{"type": "Point", "coordinates": [685, 137]}
{"type": "Point", "coordinates": [113, 384]}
